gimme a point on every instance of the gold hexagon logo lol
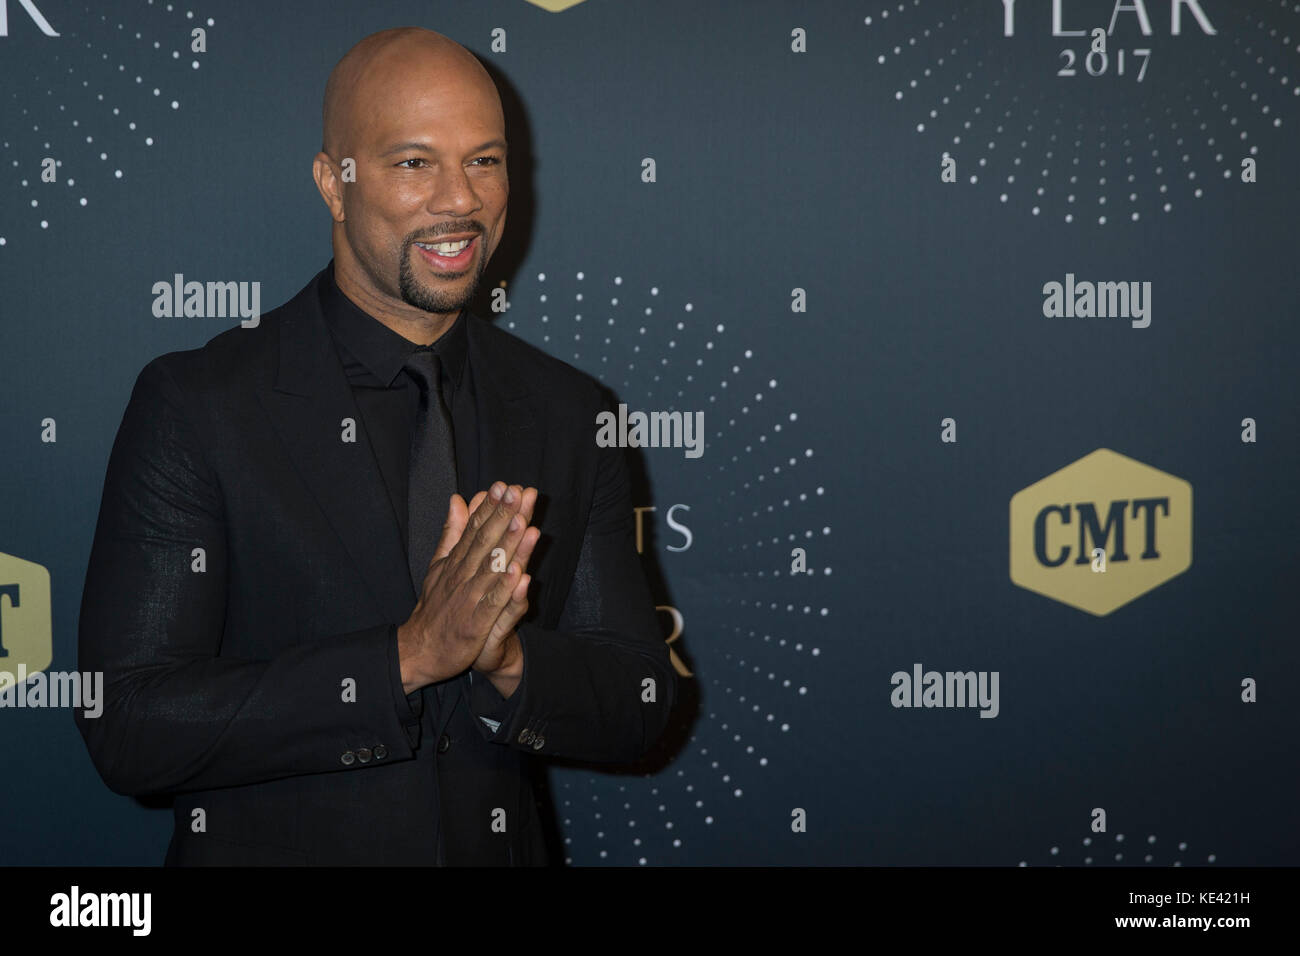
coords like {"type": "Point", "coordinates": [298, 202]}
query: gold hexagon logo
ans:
{"type": "Point", "coordinates": [26, 635]}
{"type": "Point", "coordinates": [1101, 532]}
{"type": "Point", "coordinates": [555, 6]}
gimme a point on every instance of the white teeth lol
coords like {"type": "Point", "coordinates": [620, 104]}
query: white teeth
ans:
{"type": "Point", "coordinates": [446, 248]}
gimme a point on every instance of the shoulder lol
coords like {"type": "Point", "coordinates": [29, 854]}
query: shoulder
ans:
{"type": "Point", "coordinates": [235, 358]}
{"type": "Point", "coordinates": [534, 369]}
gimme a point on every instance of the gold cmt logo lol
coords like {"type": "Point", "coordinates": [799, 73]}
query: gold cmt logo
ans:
{"type": "Point", "coordinates": [555, 6]}
{"type": "Point", "coordinates": [1101, 532]}
{"type": "Point", "coordinates": [26, 636]}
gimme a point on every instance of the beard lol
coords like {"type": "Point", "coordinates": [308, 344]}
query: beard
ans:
{"type": "Point", "coordinates": [431, 299]}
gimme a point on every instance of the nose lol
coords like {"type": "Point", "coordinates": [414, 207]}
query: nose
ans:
{"type": "Point", "coordinates": [453, 194]}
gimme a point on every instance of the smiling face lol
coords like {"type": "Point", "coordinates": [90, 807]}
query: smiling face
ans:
{"type": "Point", "coordinates": [423, 122]}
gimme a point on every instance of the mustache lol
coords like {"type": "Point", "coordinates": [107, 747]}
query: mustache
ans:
{"type": "Point", "coordinates": [468, 227]}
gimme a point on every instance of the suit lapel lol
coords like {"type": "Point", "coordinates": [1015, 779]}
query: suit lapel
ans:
{"type": "Point", "coordinates": [307, 405]}
{"type": "Point", "coordinates": [509, 442]}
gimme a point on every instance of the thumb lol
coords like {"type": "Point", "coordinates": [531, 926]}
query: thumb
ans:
{"type": "Point", "coordinates": [457, 518]}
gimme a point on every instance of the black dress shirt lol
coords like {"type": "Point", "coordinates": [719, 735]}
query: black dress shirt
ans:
{"type": "Point", "coordinates": [372, 356]}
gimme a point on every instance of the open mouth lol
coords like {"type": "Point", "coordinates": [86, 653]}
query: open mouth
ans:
{"type": "Point", "coordinates": [449, 255]}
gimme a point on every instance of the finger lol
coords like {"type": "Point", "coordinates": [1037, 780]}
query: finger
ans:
{"type": "Point", "coordinates": [525, 549]}
{"type": "Point", "coordinates": [507, 545]}
{"type": "Point", "coordinates": [527, 504]}
{"type": "Point", "coordinates": [452, 529]}
{"type": "Point", "coordinates": [512, 613]}
{"type": "Point", "coordinates": [492, 595]}
{"type": "Point", "coordinates": [477, 500]}
{"type": "Point", "coordinates": [489, 531]}
{"type": "Point", "coordinates": [479, 514]}
{"type": "Point", "coordinates": [522, 546]}
{"type": "Point", "coordinates": [474, 506]}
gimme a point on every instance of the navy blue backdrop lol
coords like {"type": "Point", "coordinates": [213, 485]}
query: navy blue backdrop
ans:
{"type": "Point", "coordinates": [841, 252]}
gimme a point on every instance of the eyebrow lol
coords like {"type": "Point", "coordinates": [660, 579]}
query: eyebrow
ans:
{"type": "Point", "coordinates": [426, 148]}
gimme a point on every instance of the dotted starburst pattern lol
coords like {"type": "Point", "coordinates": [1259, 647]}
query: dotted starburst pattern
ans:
{"type": "Point", "coordinates": [660, 353]}
{"type": "Point", "coordinates": [1140, 150]}
{"type": "Point", "coordinates": [89, 97]}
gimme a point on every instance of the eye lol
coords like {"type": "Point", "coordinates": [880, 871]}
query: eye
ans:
{"type": "Point", "coordinates": [415, 159]}
{"type": "Point", "coordinates": [492, 160]}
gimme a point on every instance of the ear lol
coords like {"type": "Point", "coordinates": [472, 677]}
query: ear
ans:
{"type": "Point", "coordinates": [329, 181]}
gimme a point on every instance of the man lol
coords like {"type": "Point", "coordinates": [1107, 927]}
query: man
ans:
{"type": "Point", "coordinates": [308, 636]}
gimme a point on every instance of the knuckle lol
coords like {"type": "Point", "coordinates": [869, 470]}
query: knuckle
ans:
{"type": "Point", "coordinates": [463, 594]}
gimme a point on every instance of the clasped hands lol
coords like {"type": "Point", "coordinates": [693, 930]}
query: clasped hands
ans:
{"type": "Point", "coordinates": [474, 593]}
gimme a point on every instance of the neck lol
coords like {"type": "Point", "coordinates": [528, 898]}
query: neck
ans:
{"type": "Point", "coordinates": [413, 324]}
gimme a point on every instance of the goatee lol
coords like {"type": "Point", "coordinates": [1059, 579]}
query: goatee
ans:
{"type": "Point", "coordinates": [429, 300]}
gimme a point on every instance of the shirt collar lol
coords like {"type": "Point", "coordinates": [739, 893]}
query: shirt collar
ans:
{"type": "Point", "coordinates": [381, 350]}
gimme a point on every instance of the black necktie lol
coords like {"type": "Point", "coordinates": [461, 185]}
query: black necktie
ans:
{"type": "Point", "coordinates": [433, 465]}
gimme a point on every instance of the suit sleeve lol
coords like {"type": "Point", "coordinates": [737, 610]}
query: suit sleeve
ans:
{"type": "Point", "coordinates": [178, 716]}
{"type": "Point", "coordinates": [600, 686]}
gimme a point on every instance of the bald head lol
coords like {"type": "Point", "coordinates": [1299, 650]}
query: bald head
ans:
{"type": "Point", "coordinates": [369, 74]}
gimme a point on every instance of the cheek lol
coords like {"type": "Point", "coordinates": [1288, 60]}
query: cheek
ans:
{"type": "Point", "coordinates": [500, 201]}
{"type": "Point", "coordinates": [381, 220]}
{"type": "Point", "coordinates": [389, 206]}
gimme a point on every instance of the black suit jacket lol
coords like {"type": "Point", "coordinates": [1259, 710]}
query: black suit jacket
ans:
{"type": "Point", "coordinates": [227, 669]}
